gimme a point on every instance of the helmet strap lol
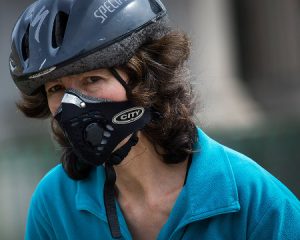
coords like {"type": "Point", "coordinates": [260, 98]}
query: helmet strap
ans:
{"type": "Point", "coordinates": [120, 80]}
{"type": "Point", "coordinates": [109, 190]}
{"type": "Point", "coordinates": [115, 159]}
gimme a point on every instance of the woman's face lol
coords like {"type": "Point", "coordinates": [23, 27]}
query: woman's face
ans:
{"type": "Point", "coordinates": [98, 83]}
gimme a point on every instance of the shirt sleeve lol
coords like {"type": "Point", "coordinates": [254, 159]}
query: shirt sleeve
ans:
{"type": "Point", "coordinates": [281, 221]}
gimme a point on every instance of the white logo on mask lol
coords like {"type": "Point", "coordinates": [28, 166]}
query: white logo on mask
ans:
{"type": "Point", "coordinates": [128, 116]}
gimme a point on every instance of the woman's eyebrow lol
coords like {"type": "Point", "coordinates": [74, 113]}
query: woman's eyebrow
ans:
{"type": "Point", "coordinates": [53, 82]}
{"type": "Point", "coordinates": [100, 73]}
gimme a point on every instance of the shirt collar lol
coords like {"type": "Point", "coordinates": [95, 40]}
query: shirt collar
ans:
{"type": "Point", "coordinates": [210, 189]}
{"type": "Point", "coordinates": [89, 197]}
{"type": "Point", "coordinates": [90, 193]}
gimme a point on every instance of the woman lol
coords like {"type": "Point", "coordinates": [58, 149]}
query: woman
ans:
{"type": "Point", "coordinates": [111, 75]}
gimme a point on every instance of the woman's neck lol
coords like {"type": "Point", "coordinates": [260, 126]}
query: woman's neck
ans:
{"type": "Point", "coordinates": [143, 175]}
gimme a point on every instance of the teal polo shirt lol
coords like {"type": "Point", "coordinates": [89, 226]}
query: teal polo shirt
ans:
{"type": "Point", "coordinates": [226, 196]}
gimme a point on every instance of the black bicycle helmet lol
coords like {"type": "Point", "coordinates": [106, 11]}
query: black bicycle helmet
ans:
{"type": "Point", "coordinates": [56, 38]}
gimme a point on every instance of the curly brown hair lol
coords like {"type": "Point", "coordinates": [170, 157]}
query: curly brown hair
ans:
{"type": "Point", "coordinates": [159, 78]}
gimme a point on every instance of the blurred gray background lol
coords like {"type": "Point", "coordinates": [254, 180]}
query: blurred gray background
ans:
{"type": "Point", "coordinates": [245, 65]}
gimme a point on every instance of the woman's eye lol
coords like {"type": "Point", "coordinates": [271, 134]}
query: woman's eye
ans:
{"type": "Point", "coordinates": [93, 79]}
{"type": "Point", "coordinates": [54, 89]}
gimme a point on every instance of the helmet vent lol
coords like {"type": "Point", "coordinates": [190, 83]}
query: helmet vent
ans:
{"type": "Point", "coordinates": [59, 28]}
{"type": "Point", "coordinates": [156, 8]}
{"type": "Point", "coordinates": [25, 45]}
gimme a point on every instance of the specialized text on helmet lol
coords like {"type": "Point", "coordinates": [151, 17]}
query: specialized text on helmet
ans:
{"type": "Point", "coordinates": [107, 8]}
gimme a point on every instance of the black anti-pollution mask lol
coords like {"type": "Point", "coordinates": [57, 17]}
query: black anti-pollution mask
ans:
{"type": "Point", "coordinates": [94, 126]}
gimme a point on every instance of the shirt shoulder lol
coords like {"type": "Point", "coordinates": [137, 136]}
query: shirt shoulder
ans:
{"type": "Point", "coordinates": [59, 203]}
{"type": "Point", "coordinates": [268, 209]}
{"type": "Point", "coordinates": [46, 197]}
{"type": "Point", "coordinates": [53, 183]}
{"type": "Point", "coordinates": [252, 178]}
{"type": "Point", "coordinates": [264, 199]}
{"type": "Point", "coordinates": [57, 187]}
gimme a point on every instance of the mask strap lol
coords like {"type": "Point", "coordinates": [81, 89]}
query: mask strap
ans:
{"type": "Point", "coordinates": [109, 191]}
{"type": "Point", "coordinates": [121, 80]}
